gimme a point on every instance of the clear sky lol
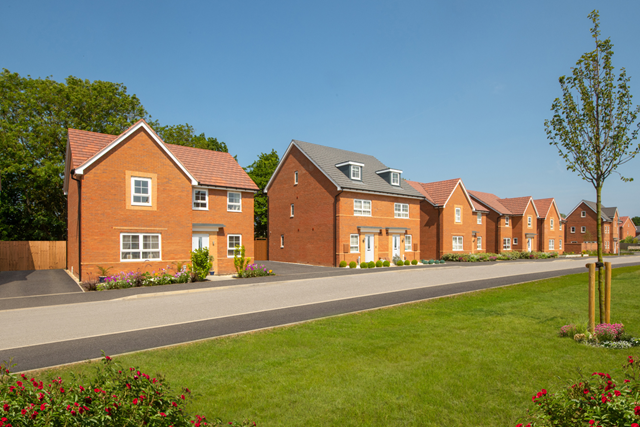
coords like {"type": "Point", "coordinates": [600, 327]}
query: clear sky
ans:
{"type": "Point", "coordinates": [438, 89]}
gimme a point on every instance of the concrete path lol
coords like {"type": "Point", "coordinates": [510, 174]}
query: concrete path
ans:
{"type": "Point", "coordinates": [51, 335]}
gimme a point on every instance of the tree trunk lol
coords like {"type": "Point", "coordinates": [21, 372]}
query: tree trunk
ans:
{"type": "Point", "coordinates": [600, 269]}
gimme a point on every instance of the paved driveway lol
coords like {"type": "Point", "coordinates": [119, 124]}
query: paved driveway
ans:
{"type": "Point", "coordinates": [35, 282]}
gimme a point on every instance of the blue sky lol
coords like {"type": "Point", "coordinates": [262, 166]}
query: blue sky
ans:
{"type": "Point", "coordinates": [438, 89]}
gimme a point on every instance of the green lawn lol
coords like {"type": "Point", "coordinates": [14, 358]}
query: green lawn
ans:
{"type": "Point", "coordinates": [474, 359]}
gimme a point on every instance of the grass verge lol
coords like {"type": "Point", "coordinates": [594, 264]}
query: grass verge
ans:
{"type": "Point", "coordinates": [474, 359]}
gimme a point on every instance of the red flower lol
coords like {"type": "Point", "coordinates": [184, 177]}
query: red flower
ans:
{"type": "Point", "coordinates": [129, 386]}
{"type": "Point", "coordinates": [174, 404]}
{"type": "Point", "coordinates": [61, 390]}
{"type": "Point", "coordinates": [586, 392]}
{"type": "Point", "coordinates": [544, 391]}
{"type": "Point", "coordinates": [637, 410]}
{"type": "Point", "coordinates": [6, 407]}
{"type": "Point", "coordinates": [107, 358]}
{"type": "Point", "coordinates": [591, 422]}
{"type": "Point", "coordinates": [635, 425]}
{"type": "Point", "coordinates": [43, 406]}
{"type": "Point", "coordinates": [163, 414]}
{"type": "Point", "coordinates": [617, 393]}
{"type": "Point", "coordinates": [23, 412]}
{"type": "Point", "coordinates": [135, 401]}
{"type": "Point", "coordinates": [604, 399]}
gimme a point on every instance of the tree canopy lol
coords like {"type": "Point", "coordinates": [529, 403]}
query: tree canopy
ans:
{"type": "Point", "coordinates": [636, 220]}
{"type": "Point", "coordinates": [592, 124]}
{"type": "Point", "coordinates": [35, 115]}
{"type": "Point", "coordinates": [260, 172]}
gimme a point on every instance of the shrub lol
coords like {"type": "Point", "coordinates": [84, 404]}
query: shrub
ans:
{"type": "Point", "coordinates": [371, 264]}
{"type": "Point", "coordinates": [597, 400]}
{"type": "Point", "coordinates": [364, 265]}
{"type": "Point", "coordinates": [407, 262]}
{"type": "Point", "coordinates": [414, 262]}
{"type": "Point", "coordinates": [352, 264]}
{"type": "Point", "coordinates": [201, 262]}
{"type": "Point", "coordinates": [116, 396]}
{"type": "Point", "coordinates": [379, 263]}
{"type": "Point", "coordinates": [240, 262]}
{"type": "Point", "coordinates": [386, 263]}
{"type": "Point", "coordinates": [608, 331]}
{"type": "Point", "coordinates": [431, 261]}
{"type": "Point", "coordinates": [568, 331]}
{"type": "Point", "coordinates": [399, 262]}
{"type": "Point", "coordinates": [343, 263]}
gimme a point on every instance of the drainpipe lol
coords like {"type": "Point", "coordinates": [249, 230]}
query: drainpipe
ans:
{"type": "Point", "coordinates": [72, 173]}
{"type": "Point", "coordinates": [335, 226]}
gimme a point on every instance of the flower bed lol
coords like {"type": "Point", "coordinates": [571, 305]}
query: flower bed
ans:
{"type": "Point", "coordinates": [607, 335]}
{"type": "Point", "coordinates": [115, 397]}
{"type": "Point", "coordinates": [133, 279]}
{"type": "Point", "coordinates": [598, 400]}
{"type": "Point", "coordinates": [255, 270]}
{"type": "Point", "coordinates": [503, 256]}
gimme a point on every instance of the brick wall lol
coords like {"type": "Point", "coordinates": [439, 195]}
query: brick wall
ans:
{"type": "Point", "coordinates": [469, 223]}
{"type": "Point", "coordinates": [73, 231]}
{"type": "Point", "coordinates": [590, 222]}
{"type": "Point", "coordinates": [308, 235]}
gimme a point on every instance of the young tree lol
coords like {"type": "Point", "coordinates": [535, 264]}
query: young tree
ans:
{"type": "Point", "coordinates": [592, 124]}
{"type": "Point", "coordinates": [260, 171]}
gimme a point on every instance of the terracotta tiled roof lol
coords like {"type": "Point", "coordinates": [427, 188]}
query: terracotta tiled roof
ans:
{"type": "Point", "coordinates": [624, 218]}
{"type": "Point", "coordinates": [490, 200]}
{"type": "Point", "coordinates": [436, 192]}
{"type": "Point", "coordinates": [479, 206]}
{"type": "Point", "coordinates": [208, 167]}
{"type": "Point", "coordinates": [517, 205]}
{"type": "Point", "coordinates": [212, 167]}
{"type": "Point", "coordinates": [85, 144]}
{"type": "Point", "coordinates": [543, 206]}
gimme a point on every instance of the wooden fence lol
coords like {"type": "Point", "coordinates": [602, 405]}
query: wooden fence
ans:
{"type": "Point", "coordinates": [16, 256]}
{"type": "Point", "coordinates": [260, 250]}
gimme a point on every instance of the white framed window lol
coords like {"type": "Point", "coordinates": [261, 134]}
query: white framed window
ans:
{"type": "Point", "coordinates": [529, 221]}
{"type": "Point", "coordinates": [457, 243]}
{"type": "Point", "coordinates": [573, 229]}
{"type": "Point", "coordinates": [515, 241]}
{"type": "Point", "coordinates": [282, 240]}
{"type": "Point", "coordinates": [401, 210]}
{"type": "Point", "coordinates": [583, 229]}
{"type": "Point", "coordinates": [506, 244]}
{"type": "Point", "coordinates": [140, 247]}
{"type": "Point", "coordinates": [560, 226]}
{"type": "Point", "coordinates": [552, 244]}
{"type": "Point", "coordinates": [234, 202]}
{"type": "Point", "coordinates": [395, 178]}
{"type": "Point", "coordinates": [606, 245]}
{"type": "Point", "coordinates": [506, 221]}
{"type": "Point", "coordinates": [458, 215]}
{"type": "Point", "coordinates": [479, 246]}
{"type": "Point", "coordinates": [551, 224]}
{"type": "Point", "coordinates": [292, 210]}
{"type": "Point", "coordinates": [479, 218]}
{"type": "Point", "coordinates": [560, 244]}
{"type": "Point", "coordinates": [606, 229]}
{"type": "Point", "coordinates": [140, 191]}
{"type": "Point", "coordinates": [356, 172]}
{"type": "Point", "coordinates": [362, 207]}
{"type": "Point", "coordinates": [583, 214]}
{"type": "Point", "coordinates": [408, 242]}
{"type": "Point", "coordinates": [354, 243]}
{"type": "Point", "coordinates": [233, 240]}
{"type": "Point", "coordinates": [295, 178]}
{"type": "Point", "coordinates": [200, 200]}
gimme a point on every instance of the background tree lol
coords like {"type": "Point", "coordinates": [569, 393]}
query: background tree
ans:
{"type": "Point", "coordinates": [35, 115]}
{"type": "Point", "coordinates": [592, 124]}
{"type": "Point", "coordinates": [260, 172]}
{"type": "Point", "coordinates": [636, 220]}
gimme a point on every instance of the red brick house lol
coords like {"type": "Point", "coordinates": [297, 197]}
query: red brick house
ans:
{"type": "Point", "coordinates": [550, 226]}
{"type": "Point", "coordinates": [137, 203]}
{"type": "Point", "coordinates": [627, 228]}
{"type": "Point", "coordinates": [328, 205]}
{"type": "Point", "coordinates": [582, 226]}
{"type": "Point", "coordinates": [450, 222]}
{"type": "Point", "coordinates": [512, 222]}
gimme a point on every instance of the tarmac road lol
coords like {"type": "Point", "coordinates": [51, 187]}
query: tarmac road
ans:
{"type": "Point", "coordinates": [50, 335]}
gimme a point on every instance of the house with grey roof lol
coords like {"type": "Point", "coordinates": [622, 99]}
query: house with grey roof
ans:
{"type": "Point", "coordinates": [581, 226]}
{"type": "Point", "coordinates": [328, 205]}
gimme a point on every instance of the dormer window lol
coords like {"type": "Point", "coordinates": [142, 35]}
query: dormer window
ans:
{"type": "Point", "coordinates": [351, 169]}
{"type": "Point", "coordinates": [392, 176]}
{"type": "Point", "coordinates": [356, 172]}
{"type": "Point", "coordinates": [395, 178]}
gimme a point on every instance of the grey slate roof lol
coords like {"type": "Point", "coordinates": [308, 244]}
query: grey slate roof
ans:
{"type": "Point", "coordinates": [327, 158]}
{"type": "Point", "coordinates": [607, 213]}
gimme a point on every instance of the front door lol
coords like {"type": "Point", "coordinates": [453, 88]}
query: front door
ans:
{"type": "Point", "coordinates": [396, 245]}
{"type": "Point", "coordinates": [199, 241]}
{"type": "Point", "coordinates": [529, 244]}
{"type": "Point", "coordinates": [368, 248]}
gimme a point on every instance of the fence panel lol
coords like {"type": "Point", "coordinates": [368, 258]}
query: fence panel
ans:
{"type": "Point", "coordinates": [260, 251]}
{"type": "Point", "coordinates": [16, 256]}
